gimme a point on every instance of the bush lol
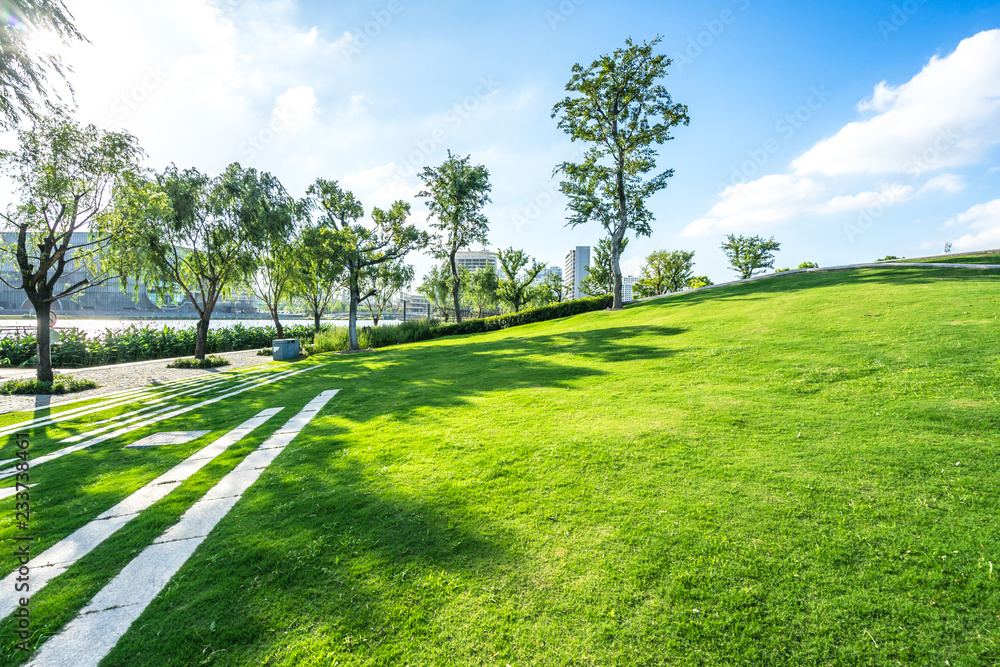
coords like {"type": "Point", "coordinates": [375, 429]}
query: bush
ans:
{"type": "Point", "coordinates": [212, 361]}
{"type": "Point", "coordinates": [62, 384]}
{"type": "Point", "coordinates": [889, 258]}
{"type": "Point", "coordinates": [333, 339]}
{"type": "Point", "coordinates": [76, 349]}
{"type": "Point", "coordinates": [782, 270]}
{"type": "Point", "coordinates": [808, 265]}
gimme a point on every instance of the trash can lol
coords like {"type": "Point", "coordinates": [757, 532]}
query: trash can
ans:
{"type": "Point", "coordinates": [285, 348]}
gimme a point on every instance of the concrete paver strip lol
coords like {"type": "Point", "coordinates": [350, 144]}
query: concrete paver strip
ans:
{"type": "Point", "coordinates": [97, 628]}
{"type": "Point", "coordinates": [59, 557]}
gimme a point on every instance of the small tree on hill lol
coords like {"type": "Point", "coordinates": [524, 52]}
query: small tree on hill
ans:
{"type": "Point", "coordinates": [516, 285]}
{"type": "Point", "coordinates": [619, 107]}
{"type": "Point", "coordinates": [456, 193]}
{"type": "Point", "coordinates": [750, 255]}
{"type": "Point", "coordinates": [698, 281]}
{"type": "Point", "coordinates": [664, 272]}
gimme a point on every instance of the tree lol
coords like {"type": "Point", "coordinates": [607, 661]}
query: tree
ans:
{"type": "Point", "coordinates": [388, 239]}
{"type": "Point", "coordinates": [457, 193]}
{"type": "Point", "coordinates": [318, 269]}
{"type": "Point", "coordinates": [70, 180]}
{"type": "Point", "coordinates": [808, 265]}
{"type": "Point", "coordinates": [516, 286]}
{"type": "Point", "coordinates": [277, 266]}
{"type": "Point", "coordinates": [600, 278]}
{"type": "Point", "coordinates": [202, 234]}
{"type": "Point", "coordinates": [698, 281]}
{"type": "Point", "coordinates": [554, 288]}
{"type": "Point", "coordinates": [383, 282]}
{"type": "Point", "coordinates": [750, 255]}
{"type": "Point", "coordinates": [23, 71]}
{"type": "Point", "coordinates": [664, 272]}
{"type": "Point", "coordinates": [620, 109]}
{"type": "Point", "coordinates": [437, 288]}
{"type": "Point", "coordinates": [482, 289]}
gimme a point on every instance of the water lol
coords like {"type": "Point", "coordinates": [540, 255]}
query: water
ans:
{"type": "Point", "coordinates": [97, 326]}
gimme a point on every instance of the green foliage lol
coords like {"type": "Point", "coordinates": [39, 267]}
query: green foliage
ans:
{"type": "Point", "coordinates": [61, 384]}
{"type": "Point", "coordinates": [808, 265]}
{"type": "Point", "coordinates": [436, 287]}
{"type": "Point", "coordinates": [664, 272]}
{"type": "Point", "coordinates": [889, 258]}
{"type": "Point", "coordinates": [456, 194]}
{"type": "Point", "coordinates": [600, 276]}
{"type": "Point", "coordinates": [318, 268]}
{"type": "Point", "coordinates": [782, 270]}
{"type": "Point", "coordinates": [211, 361]}
{"type": "Point", "coordinates": [621, 110]}
{"type": "Point", "coordinates": [362, 247]}
{"type": "Point", "coordinates": [382, 282]}
{"type": "Point", "coordinates": [75, 349]}
{"type": "Point", "coordinates": [69, 180]}
{"type": "Point", "coordinates": [25, 68]}
{"type": "Point", "coordinates": [516, 287]}
{"type": "Point", "coordinates": [481, 290]}
{"type": "Point", "coordinates": [698, 281]}
{"type": "Point", "coordinates": [750, 255]}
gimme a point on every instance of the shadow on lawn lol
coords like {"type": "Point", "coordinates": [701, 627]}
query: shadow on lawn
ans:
{"type": "Point", "coordinates": [317, 558]}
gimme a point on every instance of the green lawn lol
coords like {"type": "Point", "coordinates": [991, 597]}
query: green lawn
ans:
{"type": "Point", "coordinates": [797, 471]}
{"type": "Point", "coordinates": [977, 258]}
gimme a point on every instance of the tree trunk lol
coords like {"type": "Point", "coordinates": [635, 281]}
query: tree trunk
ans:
{"type": "Point", "coordinates": [352, 322]}
{"type": "Point", "coordinates": [454, 286]}
{"type": "Point", "coordinates": [316, 318]}
{"type": "Point", "coordinates": [201, 341]}
{"type": "Point", "coordinates": [44, 338]}
{"type": "Point", "coordinates": [616, 270]}
{"type": "Point", "coordinates": [277, 323]}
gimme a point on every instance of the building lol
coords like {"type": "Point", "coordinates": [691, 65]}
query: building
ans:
{"type": "Point", "coordinates": [575, 269]}
{"type": "Point", "coordinates": [627, 282]}
{"type": "Point", "coordinates": [546, 272]}
{"type": "Point", "coordinates": [416, 305]}
{"type": "Point", "coordinates": [474, 260]}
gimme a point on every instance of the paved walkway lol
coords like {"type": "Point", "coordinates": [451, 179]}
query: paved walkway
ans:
{"type": "Point", "coordinates": [117, 378]}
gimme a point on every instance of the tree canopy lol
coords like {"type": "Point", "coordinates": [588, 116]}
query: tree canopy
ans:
{"type": "Point", "coordinates": [600, 276]}
{"type": "Point", "coordinates": [69, 181]}
{"type": "Point", "coordinates": [620, 109]}
{"type": "Point", "coordinates": [517, 280]}
{"type": "Point", "coordinates": [750, 255]}
{"type": "Point", "coordinates": [456, 193]}
{"type": "Point", "coordinates": [665, 271]}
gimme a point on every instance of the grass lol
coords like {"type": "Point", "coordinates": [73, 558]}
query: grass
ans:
{"type": "Point", "coordinates": [782, 472]}
{"type": "Point", "coordinates": [211, 361]}
{"type": "Point", "coordinates": [977, 258]}
{"type": "Point", "coordinates": [61, 384]}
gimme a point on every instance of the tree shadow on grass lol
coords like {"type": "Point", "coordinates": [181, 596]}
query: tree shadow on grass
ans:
{"type": "Point", "coordinates": [319, 558]}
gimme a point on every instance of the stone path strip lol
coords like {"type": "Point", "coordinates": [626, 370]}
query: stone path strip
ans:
{"type": "Point", "coordinates": [234, 391]}
{"type": "Point", "coordinates": [59, 557]}
{"type": "Point", "coordinates": [100, 625]}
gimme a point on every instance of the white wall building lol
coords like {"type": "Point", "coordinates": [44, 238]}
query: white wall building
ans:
{"type": "Point", "coordinates": [575, 269]}
{"type": "Point", "coordinates": [474, 260]}
{"type": "Point", "coordinates": [627, 282]}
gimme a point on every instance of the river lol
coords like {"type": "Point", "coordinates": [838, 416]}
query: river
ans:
{"type": "Point", "coordinates": [94, 326]}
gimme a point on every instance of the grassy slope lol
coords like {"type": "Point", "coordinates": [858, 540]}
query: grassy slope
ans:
{"type": "Point", "coordinates": [977, 258]}
{"type": "Point", "coordinates": [786, 472]}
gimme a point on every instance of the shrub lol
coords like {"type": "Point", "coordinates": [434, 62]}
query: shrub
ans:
{"type": "Point", "coordinates": [333, 339]}
{"type": "Point", "coordinates": [808, 265]}
{"type": "Point", "coordinates": [62, 384]}
{"type": "Point", "coordinates": [211, 361]}
{"type": "Point", "coordinates": [782, 270]}
{"type": "Point", "coordinates": [889, 258]}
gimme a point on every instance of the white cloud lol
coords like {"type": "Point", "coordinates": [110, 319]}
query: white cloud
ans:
{"type": "Point", "coordinates": [295, 107]}
{"type": "Point", "coordinates": [946, 116]}
{"type": "Point", "coordinates": [984, 221]}
{"type": "Point", "coordinates": [947, 183]}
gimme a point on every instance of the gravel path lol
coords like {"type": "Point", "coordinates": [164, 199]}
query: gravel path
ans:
{"type": "Point", "coordinates": [118, 377]}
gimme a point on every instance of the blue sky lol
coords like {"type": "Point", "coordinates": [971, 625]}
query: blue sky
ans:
{"type": "Point", "coordinates": [811, 113]}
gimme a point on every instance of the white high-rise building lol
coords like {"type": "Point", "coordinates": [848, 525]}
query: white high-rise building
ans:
{"type": "Point", "coordinates": [575, 269]}
{"type": "Point", "coordinates": [474, 260]}
{"type": "Point", "coordinates": [627, 282]}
